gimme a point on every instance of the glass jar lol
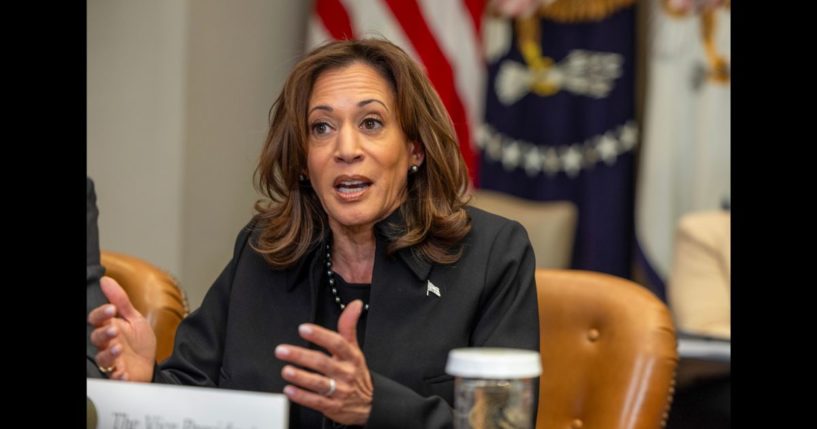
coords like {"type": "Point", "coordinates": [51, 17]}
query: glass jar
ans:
{"type": "Point", "coordinates": [493, 388]}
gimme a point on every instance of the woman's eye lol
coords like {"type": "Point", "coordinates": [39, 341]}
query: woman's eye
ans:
{"type": "Point", "coordinates": [371, 124]}
{"type": "Point", "coordinates": [320, 128]}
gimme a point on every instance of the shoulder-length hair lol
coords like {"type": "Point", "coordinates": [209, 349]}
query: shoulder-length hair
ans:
{"type": "Point", "coordinates": [292, 221]}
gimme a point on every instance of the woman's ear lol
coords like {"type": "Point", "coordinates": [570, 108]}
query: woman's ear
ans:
{"type": "Point", "coordinates": [418, 153]}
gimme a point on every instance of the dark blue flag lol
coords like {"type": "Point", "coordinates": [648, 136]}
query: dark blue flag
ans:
{"type": "Point", "coordinates": [559, 125]}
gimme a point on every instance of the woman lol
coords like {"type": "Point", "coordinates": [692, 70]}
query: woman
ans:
{"type": "Point", "coordinates": [363, 269]}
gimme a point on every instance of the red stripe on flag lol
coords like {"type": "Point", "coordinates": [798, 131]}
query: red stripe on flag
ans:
{"type": "Point", "coordinates": [335, 19]}
{"type": "Point", "coordinates": [475, 9]}
{"type": "Point", "coordinates": [439, 72]}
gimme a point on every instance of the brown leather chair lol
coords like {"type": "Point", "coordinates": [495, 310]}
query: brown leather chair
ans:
{"type": "Point", "coordinates": [153, 292]}
{"type": "Point", "coordinates": [608, 351]}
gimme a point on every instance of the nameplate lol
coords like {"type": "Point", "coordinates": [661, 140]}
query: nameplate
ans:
{"type": "Point", "coordinates": [130, 405]}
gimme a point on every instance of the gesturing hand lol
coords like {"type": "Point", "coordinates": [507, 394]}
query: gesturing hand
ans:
{"type": "Point", "coordinates": [127, 344]}
{"type": "Point", "coordinates": [341, 386]}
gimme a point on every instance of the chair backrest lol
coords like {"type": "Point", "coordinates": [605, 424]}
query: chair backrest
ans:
{"type": "Point", "coordinates": [699, 284]}
{"type": "Point", "coordinates": [608, 351]}
{"type": "Point", "coordinates": [153, 292]}
{"type": "Point", "coordinates": [551, 225]}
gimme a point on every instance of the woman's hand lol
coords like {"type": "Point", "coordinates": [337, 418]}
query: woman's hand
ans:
{"type": "Point", "coordinates": [341, 386]}
{"type": "Point", "coordinates": [126, 344]}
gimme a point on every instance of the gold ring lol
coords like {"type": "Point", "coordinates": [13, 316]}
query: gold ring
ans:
{"type": "Point", "coordinates": [107, 370]}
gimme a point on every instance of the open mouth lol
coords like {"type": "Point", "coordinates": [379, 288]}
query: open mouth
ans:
{"type": "Point", "coordinates": [351, 187]}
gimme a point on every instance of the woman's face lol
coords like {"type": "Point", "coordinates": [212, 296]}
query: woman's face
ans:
{"type": "Point", "coordinates": [358, 156]}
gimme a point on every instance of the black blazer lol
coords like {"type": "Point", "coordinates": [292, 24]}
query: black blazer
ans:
{"type": "Point", "coordinates": [488, 298]}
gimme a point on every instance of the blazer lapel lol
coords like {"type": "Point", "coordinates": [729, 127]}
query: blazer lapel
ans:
{"type": "Point", "coordinates": [398, 295]}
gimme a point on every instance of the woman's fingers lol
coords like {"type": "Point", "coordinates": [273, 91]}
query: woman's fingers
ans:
{"type": "Point", "coordinates": [102, 335]}
{"type": "Point", "coordinates": [117, 374]}
{"type": "Point", "coordinates": [347, 323]}
{"type": "Point", "coordinates": [317, 383]}
{"type": "Point", "coordinates": [101, 314]}
{"type": "Point", "coordinates": [320, 403]}
{"type": "Point", "coordinates": [118, 297]}
{"type": "Point", "coordinates": [106, 358]}
{"type": "Point", "coordinates": [332, 341]}
{"type": "Point", "coordinates": [312, 359]}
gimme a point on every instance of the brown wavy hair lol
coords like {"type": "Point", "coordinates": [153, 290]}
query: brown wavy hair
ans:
{"type": "Point", "coordinates": [292, 220]}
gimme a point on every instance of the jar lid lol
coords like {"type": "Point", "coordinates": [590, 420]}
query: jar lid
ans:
{"type": "Point", "coordinates": [489, 362]}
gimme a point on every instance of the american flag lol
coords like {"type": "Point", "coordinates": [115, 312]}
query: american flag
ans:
{"type": "Point", "coordinates": [442, 36]}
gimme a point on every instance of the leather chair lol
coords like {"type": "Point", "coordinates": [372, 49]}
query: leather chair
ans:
{"type": "Point", "coordinates": [551, 225]}
{"type": "Point", "coordinates": [153, 292]}
{"type": "Point", "coordinates": [608, 351]}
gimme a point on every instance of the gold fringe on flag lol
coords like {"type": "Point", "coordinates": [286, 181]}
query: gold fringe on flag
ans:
{"type": "Point", "coordinates": [527, 31]}
{"type": "Point", "coordinates": [718, 66]}
{"type": "Point", "coordinates": [581, 10]}
{"type": "Point", "coordinates": [682, 9]}
{"type": "Point", "coordinates": [718, 70]}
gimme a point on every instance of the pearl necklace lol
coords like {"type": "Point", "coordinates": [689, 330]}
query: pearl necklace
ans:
{"type": "Point", "coordinates": [331, 276]}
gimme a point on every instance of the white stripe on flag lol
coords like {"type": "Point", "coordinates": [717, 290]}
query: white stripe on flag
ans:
{"type": "Point", "coordinates": [455, 33]}
{"type": "Point", "coordinates": [317, 33]}
{"type": "Point", "coordinates": [372, 18]}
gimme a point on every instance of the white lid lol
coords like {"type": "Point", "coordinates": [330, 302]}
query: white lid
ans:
{"type": "Point", "coordinates": [487, 362]}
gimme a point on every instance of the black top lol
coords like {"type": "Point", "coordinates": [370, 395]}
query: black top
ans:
{"type": "Point", "coordinates": [348, 292]}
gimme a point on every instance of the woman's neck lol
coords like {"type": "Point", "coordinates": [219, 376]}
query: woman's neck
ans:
{"type": "Point", "coordinates": [353, 254]}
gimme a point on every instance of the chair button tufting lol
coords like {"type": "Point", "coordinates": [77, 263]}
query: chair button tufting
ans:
{"type": "Point", "coordinates": [593, 335]}
{"type": "Point", "coordinates": [576, 424]}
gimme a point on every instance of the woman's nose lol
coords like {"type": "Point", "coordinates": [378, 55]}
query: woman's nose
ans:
{"type": "Point", "coordinates": [348, 145]}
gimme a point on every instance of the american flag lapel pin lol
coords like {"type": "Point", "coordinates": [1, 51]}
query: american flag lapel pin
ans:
{"type": "Point", "coordinates": [432, 289]}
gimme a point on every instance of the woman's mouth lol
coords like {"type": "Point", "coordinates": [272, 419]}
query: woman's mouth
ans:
{"type": "Point", "coordinates": [350, 189]}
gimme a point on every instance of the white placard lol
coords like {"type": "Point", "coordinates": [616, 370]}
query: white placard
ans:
{"type": "Point", "coordinates": [130, 405]}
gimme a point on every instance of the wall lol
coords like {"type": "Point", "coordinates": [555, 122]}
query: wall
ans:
{"type": "Point", "coordinates": [178, 98]}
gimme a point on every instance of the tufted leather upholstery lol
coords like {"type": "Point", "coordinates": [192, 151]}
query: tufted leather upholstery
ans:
{"type": "Point", "coordinates": [153, 292]}
{"type": "Point", "coordinates": [608, 351]}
